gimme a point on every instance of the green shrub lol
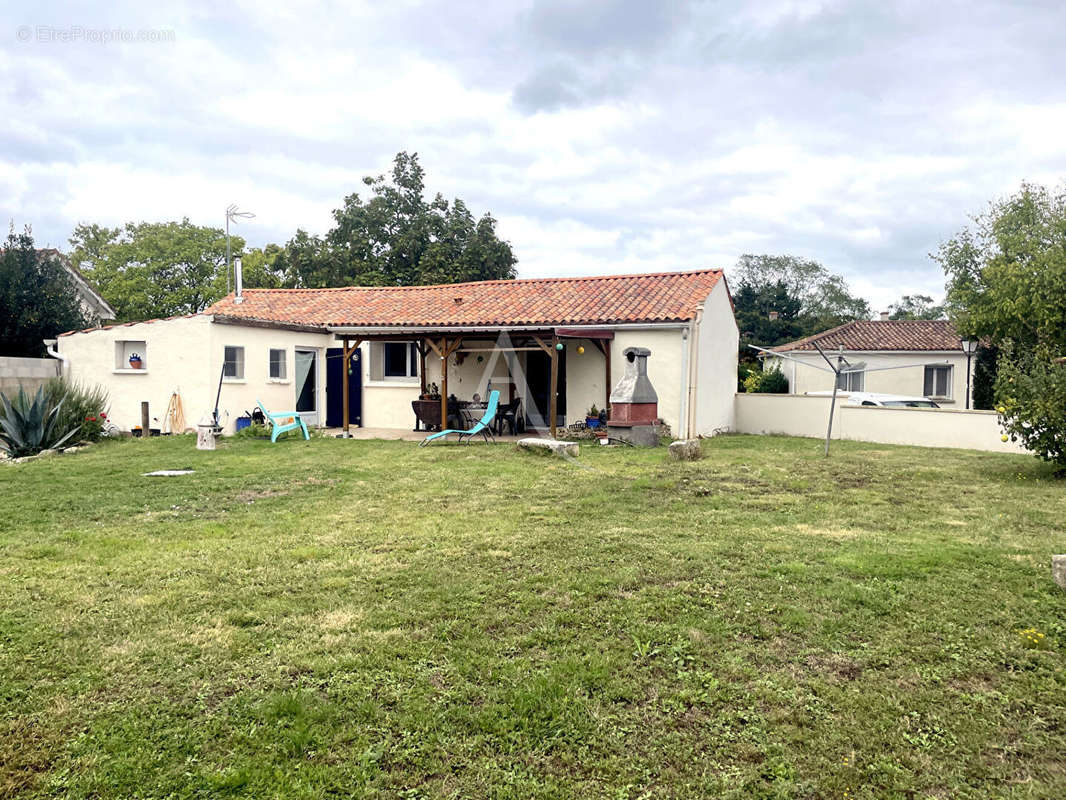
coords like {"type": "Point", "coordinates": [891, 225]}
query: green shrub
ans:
{"type": "Point", "coordinates": [1031, 402]}
{"type": "Point", "coordinates": [82, 406]}
{"type": "Point", "coordinates": [27, 428]}
{"type": "Point", "coordinates": [253, 431]}
{"type": "Point", "coordinates": [771, 381]}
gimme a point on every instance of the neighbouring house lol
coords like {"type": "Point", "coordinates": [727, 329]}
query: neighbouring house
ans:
{"type": "Point", "coordinates": [925, 357]}
{"type": "Point", "coordinates": [96, 309]}
{"type": "Point", "coordinates": [289, 347]}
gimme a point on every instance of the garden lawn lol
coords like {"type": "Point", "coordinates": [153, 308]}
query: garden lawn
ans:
{"type": "Point", "coordinates": [358, 618]}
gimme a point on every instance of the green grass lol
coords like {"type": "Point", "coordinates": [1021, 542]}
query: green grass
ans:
{"type": "Point", "coordinates": [346, 619]}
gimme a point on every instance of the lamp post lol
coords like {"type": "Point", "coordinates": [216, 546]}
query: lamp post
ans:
{"type": "Point", "coordinates": [969, 347]}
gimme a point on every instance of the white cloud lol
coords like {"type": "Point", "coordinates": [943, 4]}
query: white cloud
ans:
{"type": "Point", "coordinates": [605, 137]}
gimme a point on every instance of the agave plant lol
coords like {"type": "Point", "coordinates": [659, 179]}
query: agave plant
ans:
{"type": "Point", "coordinates": [27, 428]}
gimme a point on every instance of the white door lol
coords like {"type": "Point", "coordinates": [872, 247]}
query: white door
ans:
{"type": "Point", "coordinates": [306, 363]}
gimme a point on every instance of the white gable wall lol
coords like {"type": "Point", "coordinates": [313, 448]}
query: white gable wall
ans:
{"type": "Point", "coordinates": [715, 367]}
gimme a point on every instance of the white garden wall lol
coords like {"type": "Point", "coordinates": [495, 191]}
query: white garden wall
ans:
{"type": "Point", "coordinates": [29, 373]}
{"type": "Point", "coordinates": [797, 415]}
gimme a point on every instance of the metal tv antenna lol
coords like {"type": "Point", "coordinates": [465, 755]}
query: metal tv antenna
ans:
{"type": "Point", "coordinates": [233, 214]}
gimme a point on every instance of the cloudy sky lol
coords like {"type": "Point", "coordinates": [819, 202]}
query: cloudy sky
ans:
{"type": "Point", "coordinates": [605, 135]}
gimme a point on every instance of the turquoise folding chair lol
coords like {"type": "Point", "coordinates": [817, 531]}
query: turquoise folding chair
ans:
{"type": "Point", "coordinates": [283, 421]}
{"type": "Point", "coordinates": [483, 425]}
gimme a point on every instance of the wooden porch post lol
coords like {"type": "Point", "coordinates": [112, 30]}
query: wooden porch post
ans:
{"type": "Point", "coordinates": [422, 366]}
{"type": "Point", "coordinates": [346, 365]}
{"type": "Point", "coordinates": [344, 383]}
{"type": "Point", "coordinates": [553, 399]}
{"type": "Point", "coordinates": [444, 383]}
{"type": "Point", "coordinates": [607, 376]}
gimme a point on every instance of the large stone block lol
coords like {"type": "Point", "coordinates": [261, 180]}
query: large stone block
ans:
{"type": "Point", "coordinates": [638, 435]}
{"type": "Point", "coordinates": [685, 450]}
{"type": "Point", "coordinates": [1058, 570]}
{"type": "Point", "coordinates": [553, 446]}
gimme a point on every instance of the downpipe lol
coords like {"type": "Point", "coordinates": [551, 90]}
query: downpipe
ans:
{"type": "Point", "coordinates": [64, 361]}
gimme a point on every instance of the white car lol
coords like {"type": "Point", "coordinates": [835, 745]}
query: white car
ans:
{"type": "Point", "coordinates": [885, 400]}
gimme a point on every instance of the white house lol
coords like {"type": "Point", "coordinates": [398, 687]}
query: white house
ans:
{"type": "Point", "coordinates": [925, 358]}
{"type": "Point", "coordinates": [288, 348]}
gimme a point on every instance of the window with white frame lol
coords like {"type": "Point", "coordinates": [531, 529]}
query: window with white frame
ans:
{"type": "Point", "coordinates": [851, 381]}
{"type": "Point", "coordinates": [393, 361]}
{"type": "Point", "coordinates": [938, 381]}
{"type": "Point", "coordinates": [233, 363]}
{"type": "Point", "coordinates": [278, 365]}
{"type": "Point", "coordinates": [399, 360]}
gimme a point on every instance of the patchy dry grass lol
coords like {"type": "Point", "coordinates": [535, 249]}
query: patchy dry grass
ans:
{"type": "Point", "coordinates": [346, 619]}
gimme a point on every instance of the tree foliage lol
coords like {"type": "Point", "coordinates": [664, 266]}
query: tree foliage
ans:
{"type": "Point", "coordinates": [769, 381]}
{"type": "Point", "coordinates": [38, 299]}
{"type": "Point", "coordinates": [1007, 273]}
{"type": "Point", "coordinates": [154, 269]}
{"type": "Point", "coordinates": [1031, 393]}
{"type": "Point", "coordinates": [916, 306]}
{"type": "Point", "coordinates": [397, 238]}
{"type": "Point", "coordinates": [801, 295]}
{"type": "Point", "coordinates": [1007, 285]}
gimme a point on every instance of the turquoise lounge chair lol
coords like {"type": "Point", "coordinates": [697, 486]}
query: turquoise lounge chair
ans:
{"type": "Point", "coordinates": [482, 426]}
{"type": "Point", "coordinates": [283, 421]}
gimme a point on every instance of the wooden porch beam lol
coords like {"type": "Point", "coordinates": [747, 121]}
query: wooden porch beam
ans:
{"type": "Point", "coordinates": [453, 346]}
{"type": "Point", "coordinates": [500, 349]}
{"type": "Point", "coordinates": [543, 346]}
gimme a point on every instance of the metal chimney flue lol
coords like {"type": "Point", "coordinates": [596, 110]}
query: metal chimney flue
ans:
{"type": "Point", "coordinates": [238, 281]}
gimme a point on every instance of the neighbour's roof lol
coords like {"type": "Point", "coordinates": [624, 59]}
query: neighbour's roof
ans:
{"type": "Point", "coordinates": [873, 335]}
{"type": "Point", "coordinates": [661, 297]}
{"type": "Point", "coordinates": [82, 283]}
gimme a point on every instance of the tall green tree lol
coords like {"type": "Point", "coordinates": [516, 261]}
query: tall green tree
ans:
{"type": "Point", "coordinates": [823, 297]}
{"type": "Point", "coordinates": [1007, 285]}
{"type": "Point", "coordinates": [154, 269]}
{"type": "Point", "coordinates": [38, 299]}
{"type": "Point", "coordinates": [780, 298]}
{"type": "Point", "coordinates": [396, 237]}
{"type": "Point", "coordinates": [1007, 272]}
{"type": "Point", "coordinates": [916, 306]}
{"type": "Point", "coordinates": [264, 267]}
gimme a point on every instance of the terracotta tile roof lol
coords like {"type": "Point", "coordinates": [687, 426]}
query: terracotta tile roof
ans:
{"type": "Point", "coordinates": [663, 297]}
{"type": "Point", "coordinates": [903, 334]}
{"type": "Point", "coordinates": [128, 324]}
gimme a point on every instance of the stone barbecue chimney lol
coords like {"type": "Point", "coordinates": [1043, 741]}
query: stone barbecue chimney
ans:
{"type": "Point", "coordinates": [634, 403]}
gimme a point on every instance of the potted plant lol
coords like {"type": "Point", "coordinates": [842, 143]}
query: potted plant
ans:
{"type": "Point", "coordinates": [592, 417]}
{"type": "Point", "coordinates": [135, 361]}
